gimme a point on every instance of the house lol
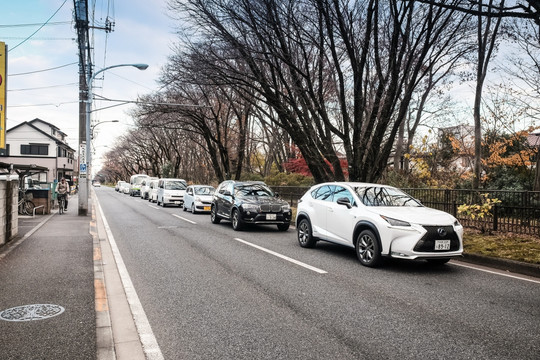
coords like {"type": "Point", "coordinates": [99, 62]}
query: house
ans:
{"type": "Point", "coordinates": [39, 143]}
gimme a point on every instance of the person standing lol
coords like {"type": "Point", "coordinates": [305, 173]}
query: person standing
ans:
{"type": "Point", "coordinates": [62, 189]}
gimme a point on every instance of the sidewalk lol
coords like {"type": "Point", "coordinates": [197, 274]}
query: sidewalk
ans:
{"type": "Point", "coordinates": [59, 279]}
{"type": "Point", "coordinates": [46, 289]}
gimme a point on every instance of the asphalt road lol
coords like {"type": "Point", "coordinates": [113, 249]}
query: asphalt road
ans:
{"type": "Point", "coordinates": [210, 292]}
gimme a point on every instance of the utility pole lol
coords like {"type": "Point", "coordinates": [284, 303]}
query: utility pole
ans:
{"type": "Point", "coordinates": [85, 72]}
{"type": "Point", "coordinates": [85, 66]}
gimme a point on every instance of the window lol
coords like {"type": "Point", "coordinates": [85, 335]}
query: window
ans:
{"type": "Point", "coordinates": [5, 152]}
{"type": "Point", "coordinates": [341, 192]}
{"type": "Point", "coordinates": [35, 149]}
{"type": "Point", "coordinates": [323, 193]}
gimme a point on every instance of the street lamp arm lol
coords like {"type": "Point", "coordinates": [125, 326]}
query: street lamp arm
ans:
{"type": "Point", "coordinates": [138, 66]}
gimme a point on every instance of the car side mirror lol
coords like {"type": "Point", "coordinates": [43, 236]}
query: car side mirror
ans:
{"type": "Point", "coordinates": [344, 201]}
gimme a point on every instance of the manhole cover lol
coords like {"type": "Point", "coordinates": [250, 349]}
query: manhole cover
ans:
{"type": "Point", "coordinates": [31, 312]}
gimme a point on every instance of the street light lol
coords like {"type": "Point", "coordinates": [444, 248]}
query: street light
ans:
{"type": "Point", "coordinates": [92, 127]}
{"type": "Point", "coordinates": [87, 160]}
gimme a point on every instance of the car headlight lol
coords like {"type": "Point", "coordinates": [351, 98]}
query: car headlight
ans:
{"type": "Point", "coordinates": [286, 208]}
{"type": "Point", "coordinates": [250, 207]}
{"type": "Point", "coordinates": [457, 223]}
{"type": "Point", "coordinates": [395, 222]}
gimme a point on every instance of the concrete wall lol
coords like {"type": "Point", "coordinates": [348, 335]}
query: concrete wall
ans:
{"type": "Point", "coordinates": [9, 218]}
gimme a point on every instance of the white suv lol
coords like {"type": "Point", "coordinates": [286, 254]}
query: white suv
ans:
{"type": "Point", "coordinates": [378, 221]}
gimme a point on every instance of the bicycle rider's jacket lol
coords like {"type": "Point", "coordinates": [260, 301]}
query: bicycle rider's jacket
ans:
{"type": "Point", "coordinates": [62, 188]}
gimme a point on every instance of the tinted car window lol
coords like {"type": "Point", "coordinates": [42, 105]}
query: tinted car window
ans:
{"type": "Point", "coordinates": [323, 193]}
{"type": "Point", "coordinates": [204, 191]}
{"type": "Point", "coordinates": [382, 196]}
{"type": "Point", "coordinates": [341, 192]}
{"type": "Point", "coordinates": [174, 185]}
{"type": "Point", "coordinates": [252, 190]}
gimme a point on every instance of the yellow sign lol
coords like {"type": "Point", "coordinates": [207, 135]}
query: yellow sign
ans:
{"type": "Point", "coordinates": [3, 79]}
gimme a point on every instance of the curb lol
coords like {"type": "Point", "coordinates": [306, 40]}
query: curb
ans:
{"type": "Point", "coordinates": [503, 264]}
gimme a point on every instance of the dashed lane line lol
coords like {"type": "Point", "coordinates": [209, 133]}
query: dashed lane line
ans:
{"type": "Point", "coordinates": [309, 267]}
{"type": "Point", "coordinates": [183, 218]}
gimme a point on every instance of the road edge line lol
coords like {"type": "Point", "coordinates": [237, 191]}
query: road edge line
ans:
{"type": "Point", "coordinates": [149, 342]}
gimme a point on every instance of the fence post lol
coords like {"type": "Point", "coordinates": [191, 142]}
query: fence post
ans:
{"type": "Point", "coordinates": [495, 218]}
{"type": "Point", "coordinates": [454, 208]}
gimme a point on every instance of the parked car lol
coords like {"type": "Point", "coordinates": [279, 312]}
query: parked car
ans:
{"type": "Point", "coordinates": [118, 185]}
{"type": "Point", "coordinates": [124, 189]}
{"type": "Point", "coordinates": [145, 187]}
{"type": "Point", "coordinates": [171, 191]}
{"type": "Point", "coordinates": [249, 203]}
{"type": "Point", "coordinates": [135, 184]}
{"type": "Point", "coordinates": [378, 221]}
{"type": "Point", "coordinates": [198, 198]}
{"type": "Point", "coordinates": [152, 192]}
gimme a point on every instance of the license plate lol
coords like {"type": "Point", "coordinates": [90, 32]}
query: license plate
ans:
{"type": "Point", "coordinates": [177, 202]}
{"type": "Point", "coordinates": [442, 244]}
{"type": "Point", "coordinates": [206, 208]}
{"type": "Point", "coordinates": [271, 217]}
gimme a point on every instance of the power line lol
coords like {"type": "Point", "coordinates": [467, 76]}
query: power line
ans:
{"type": "Point", "coordinates": [38, 24]}
{"type": "Point", "coordinates": [38, 71]}
{"type": "Point", "coordinates": [44, 87]}
{"type": "Point", "coordinates": [22, 42]}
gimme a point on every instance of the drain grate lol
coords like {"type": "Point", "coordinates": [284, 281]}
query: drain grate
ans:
{"type": "Point", "coordinates": [31, 312]}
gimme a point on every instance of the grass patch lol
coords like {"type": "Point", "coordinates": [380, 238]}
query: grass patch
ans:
{"type": "Point", "coordinates": [507, 246]}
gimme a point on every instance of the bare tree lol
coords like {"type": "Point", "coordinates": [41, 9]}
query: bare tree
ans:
{"type": "Point", "coordinates": [339, 75]}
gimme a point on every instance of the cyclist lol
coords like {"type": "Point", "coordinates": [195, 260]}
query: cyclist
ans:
{"type": "Point", "coordinates": [62, 189]}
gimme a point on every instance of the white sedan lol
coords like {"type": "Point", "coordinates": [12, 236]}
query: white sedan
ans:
{"type": "Point", "coordinates": [198, 198]}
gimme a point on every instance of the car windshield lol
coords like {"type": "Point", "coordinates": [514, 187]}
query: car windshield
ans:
{"type": "Point", "coordinates": [174, 185]}
{"type": "Point", "coordinates": [204, 191]}
{"type": "Point", "coordinates": [253, 190]}
{"type": "Point", "coordinates": [384, 196]}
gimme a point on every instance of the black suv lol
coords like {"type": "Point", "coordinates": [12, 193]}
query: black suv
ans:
{"type": "Point", "coordinates": [249, 202]}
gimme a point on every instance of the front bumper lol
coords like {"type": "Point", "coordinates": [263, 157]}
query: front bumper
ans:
{"type": "Point", "coordinates": [173, 200]}
{"type": "Point", "coordinates": [267, 218]}
{"type": "Point", "coordinates": [421, 242]}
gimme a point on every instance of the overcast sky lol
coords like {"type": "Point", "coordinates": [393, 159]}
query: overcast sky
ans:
{"type": "Point", "coordinates": [143, 33]}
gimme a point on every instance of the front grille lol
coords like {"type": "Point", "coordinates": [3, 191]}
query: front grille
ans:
{"type": "Point", "coordinates": [270, 208]}
{"type": "Point", "coordinates": [427, 242]}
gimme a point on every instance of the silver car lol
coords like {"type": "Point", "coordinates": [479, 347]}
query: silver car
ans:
{"type": "Point", "coordinates": [198, 198]}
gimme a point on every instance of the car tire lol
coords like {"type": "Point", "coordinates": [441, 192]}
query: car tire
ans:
{"type": "Point", "coordinates": [368, 249]}
{"type": "Point", "coordinates": [437, 262]}
{"type": "Point", "coordinates": [193, 211]}
{"type": "Point", "coordinates": [283, 227]}
{"type": "Point", "coordinates": [305, 234]}
{"type": "Point", "coordinates": [236, 219]}
{"type": "Point", "coordinates": [214, 216]}
{"type": "Point", "coordinates": [184, 207]}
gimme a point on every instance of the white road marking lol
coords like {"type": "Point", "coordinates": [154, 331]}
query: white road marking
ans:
{"type": "Point", "coordinates": [312, 268]}
{"type": "Point", "coordinates": [154, 207]}
{"type": "Point", "coordinates": [183, 218]}
{"type": "Point", "coordinates": [150, 345]}
{"type": "Point", "coordinates": [495, 272]}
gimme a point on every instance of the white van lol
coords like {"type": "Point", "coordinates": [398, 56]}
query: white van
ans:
{"type": "Point", "coordinates": [135, 184]}
{"type": "Point", "coordinates": [171, 191]}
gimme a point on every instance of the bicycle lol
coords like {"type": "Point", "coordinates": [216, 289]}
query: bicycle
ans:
{"type": "Point", "coordinates": [61, 203]}
{"type": "Point", "coordinates": [25, 206]}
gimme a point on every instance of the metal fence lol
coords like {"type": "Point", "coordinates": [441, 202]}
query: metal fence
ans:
{"type": "Point", "coordinates": [518, 212]}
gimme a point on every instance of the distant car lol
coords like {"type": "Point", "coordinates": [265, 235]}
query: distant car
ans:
{"type": "Point", "coordinates": [135, 184]}
{"type": "Point", "coordinates": [198, 198]}
{"type": "Point", "coordinates": [378, 221]}
{"type": "Point", "coordinates": [145, 187]}
{"type": "Point", "coordinates": [118, 185]}
{"type": "Point", "coordinates": [152, 190]}
{"type": "Point", "coordinates": [171, 192]}
{"type": "Point", "coordinates": [249, 203]}
{"type": "Point", "coordinates": [96, 184]}
{"type": "Point", "coordinates": [124, 188]}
